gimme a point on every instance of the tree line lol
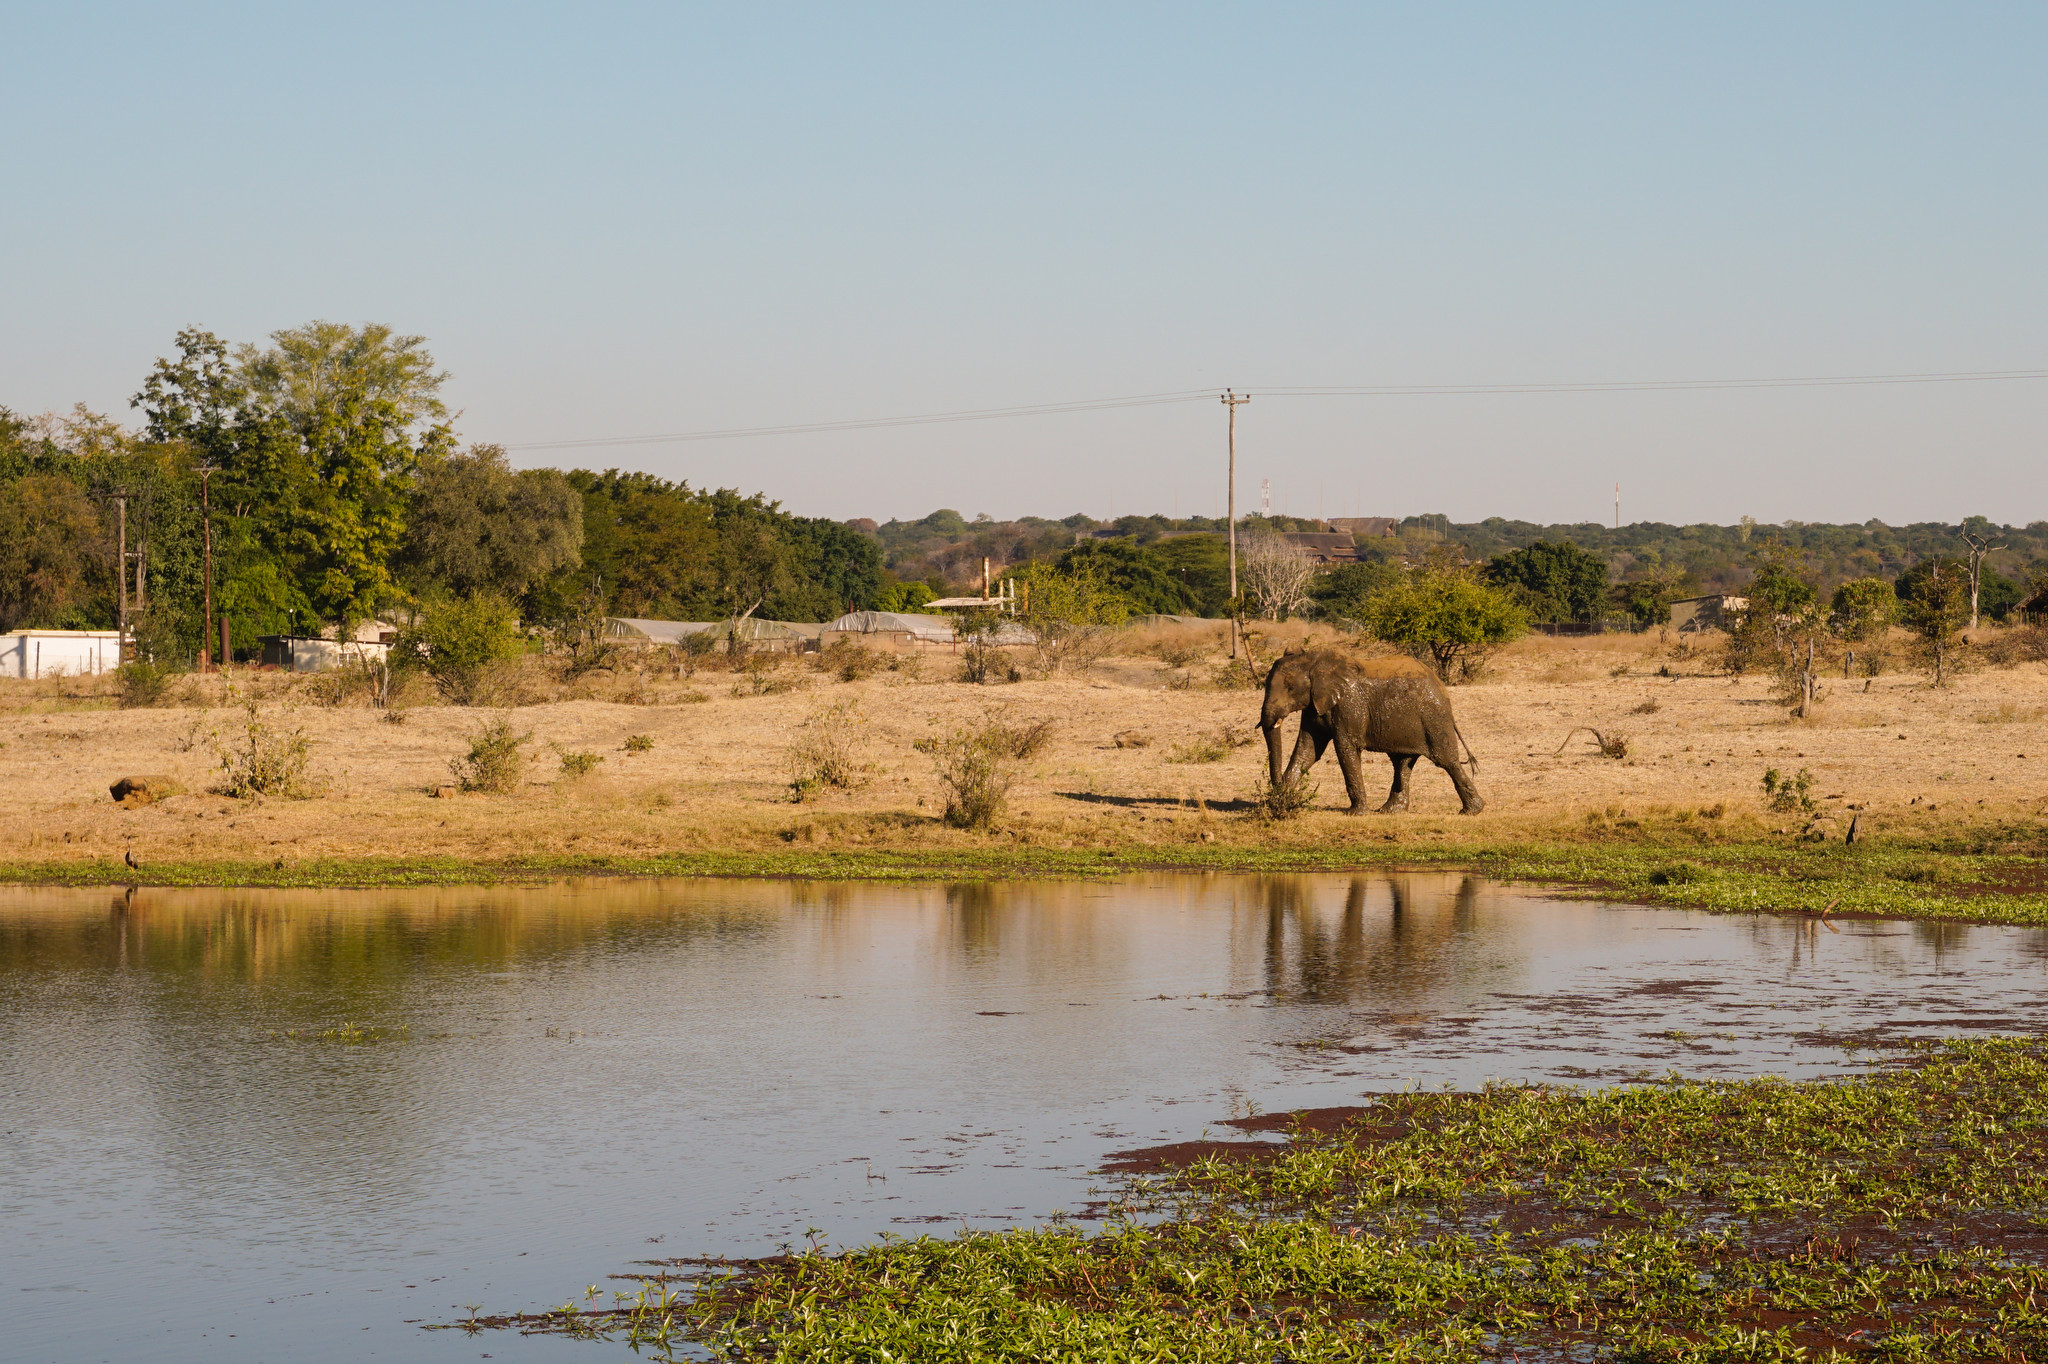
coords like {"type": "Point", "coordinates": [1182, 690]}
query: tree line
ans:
{"type": "Point", "coordinates": [321, 476]}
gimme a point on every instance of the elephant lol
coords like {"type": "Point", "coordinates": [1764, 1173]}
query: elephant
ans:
{"type": "Point", "coordinates": [1394, 706]}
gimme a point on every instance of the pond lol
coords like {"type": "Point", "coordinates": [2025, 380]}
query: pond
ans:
{"type": "Point", "coordinates": [251, 1124]}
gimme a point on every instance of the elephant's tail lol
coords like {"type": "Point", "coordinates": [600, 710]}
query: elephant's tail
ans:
{"type": "Point", "coordinates": [1470, 756]}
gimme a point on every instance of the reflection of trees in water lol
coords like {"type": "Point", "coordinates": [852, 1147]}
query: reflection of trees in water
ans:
{"type": "Point", "coordinates": [1362, 954]}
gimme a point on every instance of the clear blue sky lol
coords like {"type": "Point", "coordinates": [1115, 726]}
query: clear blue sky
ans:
{"type": "Point", "coordinates": [622, 219]}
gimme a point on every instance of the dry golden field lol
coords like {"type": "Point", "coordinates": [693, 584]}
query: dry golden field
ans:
{"type": "Point", "coordinates": [717, 773]}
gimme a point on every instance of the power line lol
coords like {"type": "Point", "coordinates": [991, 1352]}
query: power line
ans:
{"type": "Point", "coordinates": [1298, 391]}
{"type": "Point", "coordinates": [869, 423]}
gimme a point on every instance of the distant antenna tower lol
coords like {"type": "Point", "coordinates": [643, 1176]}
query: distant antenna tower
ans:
{"type": "Point", "coordinates": [1266, 498]}
{"type": "Point", "coordinates": [1617, 506]}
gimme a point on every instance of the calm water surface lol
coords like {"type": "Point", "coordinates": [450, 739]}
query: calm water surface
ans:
{"type": "Point", "coordinates": [598, 1072]}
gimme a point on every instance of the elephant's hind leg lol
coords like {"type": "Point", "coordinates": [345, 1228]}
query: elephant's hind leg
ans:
{"type": "Point", "coordinates": [1397, 795]}
{"type": "Point", "coordinates": [1468, 791]}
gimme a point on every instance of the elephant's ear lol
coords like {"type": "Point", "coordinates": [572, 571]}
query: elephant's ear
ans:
{"type": "Point", "coordinates": [1293, 649]}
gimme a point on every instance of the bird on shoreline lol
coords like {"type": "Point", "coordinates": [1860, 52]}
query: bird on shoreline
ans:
{"type": "Point", "coordinates": [128, 856]}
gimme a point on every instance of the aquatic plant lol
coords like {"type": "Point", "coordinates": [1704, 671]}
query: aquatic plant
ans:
{"type": "Point", "coordinates": [1889, 1216]}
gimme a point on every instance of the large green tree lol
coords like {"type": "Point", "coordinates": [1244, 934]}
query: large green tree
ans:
{"type": "Point", "coordinates": [1557, 580]}
{"type": "Point", "coordinates": [316, 440]}
{"type": "Point", "coordinates": [1145, 580]}
{"type": "Point", "coordinates": [477, 525]}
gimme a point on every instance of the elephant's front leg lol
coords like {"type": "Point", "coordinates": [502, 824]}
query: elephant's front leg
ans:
{"type": "Point", "coordinates": [1308, 748]}
{"type": "Point", "coordinates": [1397, 794]}
{"type": "Point", "coordinates": [1354, 779]}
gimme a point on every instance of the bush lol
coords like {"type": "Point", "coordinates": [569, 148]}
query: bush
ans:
{"type": "Point", "coordinates": [494, 761]}
{"type": "Point", "coordinates": [579, 764]}
{"type": "Point", "coordinates": [980, 658]}
{"type": "Point", "coordinates": [1023, 739]}
{"type": "Point", "coordinates": [1446, 617]}
{"type": "Point", "coordinates": [977, 764]}
{"type": "Point", "coordinates": [1789, 795]}
{"type": "Point", "coordinates": [2020, 644]}
{"type": "Point", "coordinates": [827, 751]}
{"type": "Point", "coordinates": [847, 661]}
{"type": "Point", "coordinates": [142, 684]}
{"type": "Point", "coordinates": [257, 759]}
{"type": "Point", "coordinates": [638, 743]}
{"type": "Point", "coordinates": [1283, 800]}
{"type": "Point", "coordinates": [464, 644]}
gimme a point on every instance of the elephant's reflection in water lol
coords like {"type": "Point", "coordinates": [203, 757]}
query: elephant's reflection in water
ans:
{"type": "Point", "coordinates": [1391, 939]}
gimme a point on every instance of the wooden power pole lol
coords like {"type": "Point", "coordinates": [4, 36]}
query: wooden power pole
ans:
{"type": "Point", "coordinates": [206, 521]}
{"type": "Point", "coordinates": [1231, 400]}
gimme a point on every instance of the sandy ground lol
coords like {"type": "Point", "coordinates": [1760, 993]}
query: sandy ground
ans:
{"type": "Point", "coordinates": [717, 773]}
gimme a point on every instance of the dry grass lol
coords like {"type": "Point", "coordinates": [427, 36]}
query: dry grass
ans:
{"type": "Point", "coordinates": [717, 777]}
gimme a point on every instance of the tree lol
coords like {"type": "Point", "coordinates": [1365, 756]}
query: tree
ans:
{"type": "Point", "coordinates": [1201, 564]}
{"type": "Point", "coordinates": [315, 440]}
{"type": "Point", "coordinates": [323, 364]}
{"type": "Point", "coordinates": [1274, 575]}
{"type": "Point", "coordinates": [52, 548]}
{"type": "Point", "coordinates": [463, 643]}
{"type": "Point", "coordinates": [1863, 608]}
{"type": "Point", "coordinates": [1936, 611]}
{"type": "Point", "coordinates": [1974, 534]}
{"type": "Point", "coordinates": [1068, 614]}
{"type": "Point", "coordinates": [1647, 596]}
{"type": "Point", "coordinates": [1448, 617]}
{"type": "Point", "coordinates": [1145, 580]}
{"type": "Point", "coordinates": [1560, 580]}
{"type": "Point", "coordinates": [477, 525]}
{"type": "Point", "coordinates": [1342, 593]}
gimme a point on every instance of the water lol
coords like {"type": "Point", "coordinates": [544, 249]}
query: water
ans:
{"type": "Point", "coordinates": [604, 1071]}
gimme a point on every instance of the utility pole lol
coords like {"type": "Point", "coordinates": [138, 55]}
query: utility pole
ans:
{"type": "Point", "coordinates": [121, 572]}
{"type": "Point", "coordinates": [1617, 506]}
{"type": "Point", "coordinates": [206, 522]}
{"type": "Point", "coordinates": [1231, 401]}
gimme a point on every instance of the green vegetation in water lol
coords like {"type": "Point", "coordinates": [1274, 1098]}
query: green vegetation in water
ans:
{"type": "Point", "coordinates": [1895, 1216]}
{"type": "Point", "coordinates": [344, 1034]}
{"type": "Point", "coordinates": [1974, 877]}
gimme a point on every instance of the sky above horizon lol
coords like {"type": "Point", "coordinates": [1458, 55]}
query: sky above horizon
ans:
{"type": "Point", "coordinates": [615, 220]}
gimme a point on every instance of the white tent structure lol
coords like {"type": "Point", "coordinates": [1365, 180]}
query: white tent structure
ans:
{"type": "Point", "coordinates": [59, 653]}
{"type": "Point", "coordinates": [640, 630]}
{"type": "Point", "coordinates": [893, 626]}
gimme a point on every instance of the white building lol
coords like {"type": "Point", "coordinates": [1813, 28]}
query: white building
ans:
{"type": "Point", "coordinates": [317, 653]}
{"type": "Point", "coordinates": [59, 653]}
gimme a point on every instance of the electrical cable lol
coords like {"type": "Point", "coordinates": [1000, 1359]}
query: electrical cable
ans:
{"type": "Point", "coordinates": [1296, 391]}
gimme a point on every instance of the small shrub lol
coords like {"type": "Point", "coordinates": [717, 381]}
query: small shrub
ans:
{"type": "Point", "coordinates": [1789, 795]}
{"type": "Point", "coordinates": [2020, 644]}
{"type": "Point", "coordinates": [909, 667]}
{"type": "Point", "coordinates": [638, 743]}
{"type": "Point", "coordinates": [827, 751]}
{"type": "Point", "coordinates": [977, 764]}
{"type": "Point", "coordinates": [579, 764]}
{"type": "Point", "coordinates": [494, 761]}
{"type": "Point", "coordinates": [1618, 670]}
{"type": "Point", "coordinates": [396, 717]}
{"type": "Point", "coordinates": [142, 684]}
{"type": "Point", "coordinates": [1714, 811]}
{"type": "Point", "coordinates": [980, 659]}
{"type": "Point", "coordinates": [1649, 707]}
{"type": "Point", "coordinates": [1679, 874]}
{"type": "Point", "coordinates": [756, 683]}
{"type": "Point", "coordinates": [1180, 655]}
{"type": "Point", "coordinates": [693, 697]}
{"type": "Point", "coordinates": [846, 660]}
{"type": "Point", "coordinates": [257, 759]}
{"type": "Point", "coordinates": [1283, 800]}
{"type": "Point", "coordinates": [1024, 739]}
